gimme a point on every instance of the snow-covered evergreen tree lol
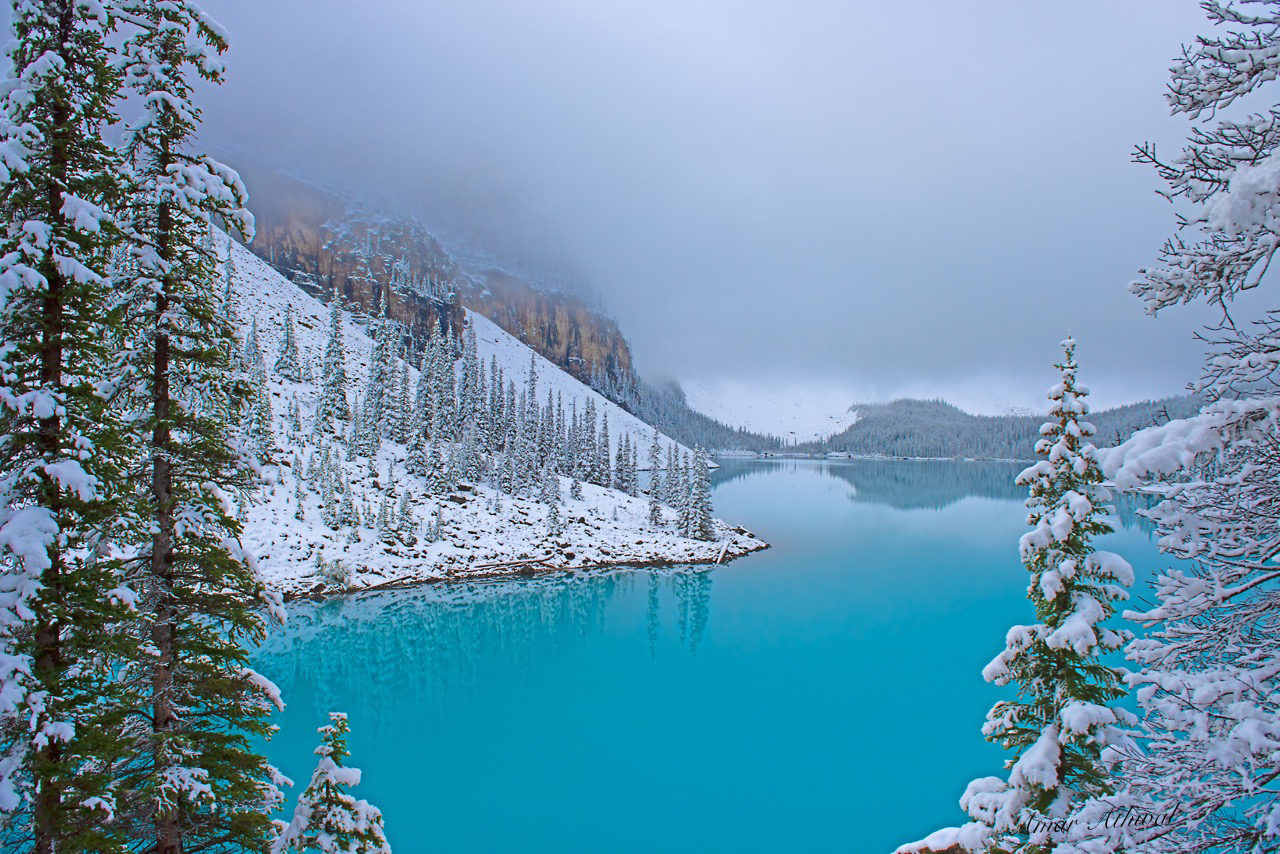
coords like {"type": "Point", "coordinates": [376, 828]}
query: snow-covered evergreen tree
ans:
{"type": "Point", "coordinates": [333, 374]}
{"type": "Point", "coordinates": [1209, 678]}
{"type": "Point", "coordinates": [299, 502]}
{"type": "Point", "coordinates": [700, 525]}
{"type": "Point", "coordinates": [383, 527]}
{"type": "Point", "coordinates": [327, 818]}
{"type": "Point", "coordinates": [403, 423]}
{"type": "Point", "coordinates": [549, 492]}
{"type": "Point", "coordinates": [195, 783]}
{"type": "Point", "coordinates": [683, 506]}
{"type": "Point", "coordinates": [633, 471]}
{"type": "Point", "coordinates": [259, 428]}
{"type": "Point", "coordinates": [603, 471]}
{"type": "Point", "coordinates": [371, 426]}
{"type": "Point", "coordinates": [228, 284]}
{"type": "Point", "coordinates": [253, 348]}
{"type": "Point", "coordinates": [288, 363]}
{"type": "Point", "coordinates": [438, 474]}
{"type": "Point", "coordinates": [61, 452]}
{"type": "Point", "coordinates": [417, 461]}
{"type": "Point", "coordinates": [1063, 719]}
{"type": "Point", "coordinates": [555, 524]}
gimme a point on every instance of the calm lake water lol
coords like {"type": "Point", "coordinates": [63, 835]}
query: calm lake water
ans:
{"type": "Point", "coordinates": [820, 696]}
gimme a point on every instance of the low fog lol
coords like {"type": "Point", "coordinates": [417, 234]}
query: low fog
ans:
{"type": "Point", "coordinates": [880, 199]}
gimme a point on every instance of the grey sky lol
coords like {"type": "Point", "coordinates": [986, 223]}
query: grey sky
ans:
{"type": "Point", "coordinates": [886, 198]}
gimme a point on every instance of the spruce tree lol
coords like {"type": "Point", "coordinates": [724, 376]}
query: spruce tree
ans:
{"type": "Point", "coordinates": [253, 347]}
{"type": "Point", "coordinates": [1062, 719]}
{"type": "Point", "coordinates": [681, 503]}
{"type": "Point", "coordinates": [633, 471]}
{"type": "Point", "coordinates": [1208, 677]}
{"type": "Point", "coordinates": [333, 374]}
{"type": "Point", "coordinates": [437, 475]}
{"type": "Point", "coordinates": [405, 522]}
{"type": "Point", "coordinates": [555, 524]}
{"type": "Point", "coordinates": [288, 363]}
{"type": "Point", "coordinates": [444, 401]}
{"type": "Point", "coordinates": [299, 502]}
{"type": "Point", "coordinates": [670, 487]}
{"type": "Point", "coordinates": [383, 526]}
{"type": "Point", "coordinates": [196, 783]}
{"type": "Point", "coordinates": [228, 282]}
{"type": "Point", "coordinates": [327, 818]}
{"type": "Point", "coordinates": [402, 425]}
{"type": "Point", "coordinates": [700, 525]}
{"type": "Point", "coordinates": [370, 427]}
{"type": "Point", "coordinates": [62, 452]}
{"type": "Point", "coordinates": [260, 429]}
{"type": "Point", "coordinates": [655, 481]}
{"type": "Point", "coordinates": [620, 463]}
{"type": "Point", "coordinates": [603, 463]}
{"type": "Point", "coordinates": [549, 487]}
{"type": "Point", "coordinates": [417, 462]}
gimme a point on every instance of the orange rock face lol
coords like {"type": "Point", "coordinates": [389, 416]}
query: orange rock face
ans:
{"type": "Point", "coordinates": [560, 327]}
{"type": "Point", "coordinates": [328, 245]}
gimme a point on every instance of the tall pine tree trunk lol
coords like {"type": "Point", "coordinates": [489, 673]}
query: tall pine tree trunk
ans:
{"type": "Point", "coordinates": [164, 718]}
{"type": "Point", "coordinates": [48, 632]}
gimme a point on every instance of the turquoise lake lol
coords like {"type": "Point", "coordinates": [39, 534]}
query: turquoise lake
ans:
{"type": "Point", "coordinates": [824, 695]}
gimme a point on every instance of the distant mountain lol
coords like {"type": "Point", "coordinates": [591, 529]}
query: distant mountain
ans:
{"type": "Point", "coordinates": [936, 429]}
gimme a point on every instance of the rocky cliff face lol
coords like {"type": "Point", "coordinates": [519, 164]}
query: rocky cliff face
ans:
{"type": "Point", "coordinates": [329, 245]}
{"type": "Point", "coordinates": [561, 328]}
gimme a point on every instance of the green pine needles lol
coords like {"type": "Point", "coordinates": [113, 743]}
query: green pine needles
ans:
{"type": "Point", "coordinates": [126, 603]}
{"type": "Point", "coordinates": [327, 818]}
{"type": "Point", "coordinates": [62, 445]}
{"type": "Point", "coordinates": [1061, 724]}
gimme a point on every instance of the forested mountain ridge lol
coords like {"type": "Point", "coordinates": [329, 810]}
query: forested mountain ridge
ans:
{"type": "Point", "coordinates": [935, 428]}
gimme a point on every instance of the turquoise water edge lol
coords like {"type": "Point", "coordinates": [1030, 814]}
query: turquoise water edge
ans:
{"type": "Point", "coordinates": [823, 695]}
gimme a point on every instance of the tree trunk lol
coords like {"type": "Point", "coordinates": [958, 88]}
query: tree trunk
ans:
{"type": "Point", "coordinates": [48, 632]}
{"type": "Point", "coordinates": [164, 716]}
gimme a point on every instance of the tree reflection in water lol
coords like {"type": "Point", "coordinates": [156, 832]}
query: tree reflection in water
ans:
{"type": "Point", "coordinates": [422, 645]}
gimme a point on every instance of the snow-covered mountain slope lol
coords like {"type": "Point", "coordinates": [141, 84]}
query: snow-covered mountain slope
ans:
{"type": "Point", "coordinates": [261, 294]}
{"type": "Point", "coordinates": [513, 358]}
{"type": "Point", "coordinates": [792, 413]}
{"type": "Point", "coordinates": [473, 531]}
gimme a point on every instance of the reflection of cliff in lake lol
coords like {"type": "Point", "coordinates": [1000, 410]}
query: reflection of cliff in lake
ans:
{"type": "Point", "coordinates": [917, 484]}
{"type": "Point", "coordinates": [420, 645]}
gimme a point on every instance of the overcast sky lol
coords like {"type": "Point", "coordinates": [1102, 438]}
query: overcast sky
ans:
{"type": "Point", "coordinates": [877, 198]}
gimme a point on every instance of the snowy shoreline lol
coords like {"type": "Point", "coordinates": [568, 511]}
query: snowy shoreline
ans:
{"type": "Point", "coordinates": [486, 536]}
{"type": "Point", "coordinates": [334, 517]}
{"type": "Point", "coordinates": [528, 569]}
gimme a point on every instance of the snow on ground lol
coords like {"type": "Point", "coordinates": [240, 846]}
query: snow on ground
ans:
{"type": "Point", "coordinates": [793, 412]}
{"type": "Point", "coordinates": [481, 533]}
{"type": "Point", "coordinates": [513, 358]}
